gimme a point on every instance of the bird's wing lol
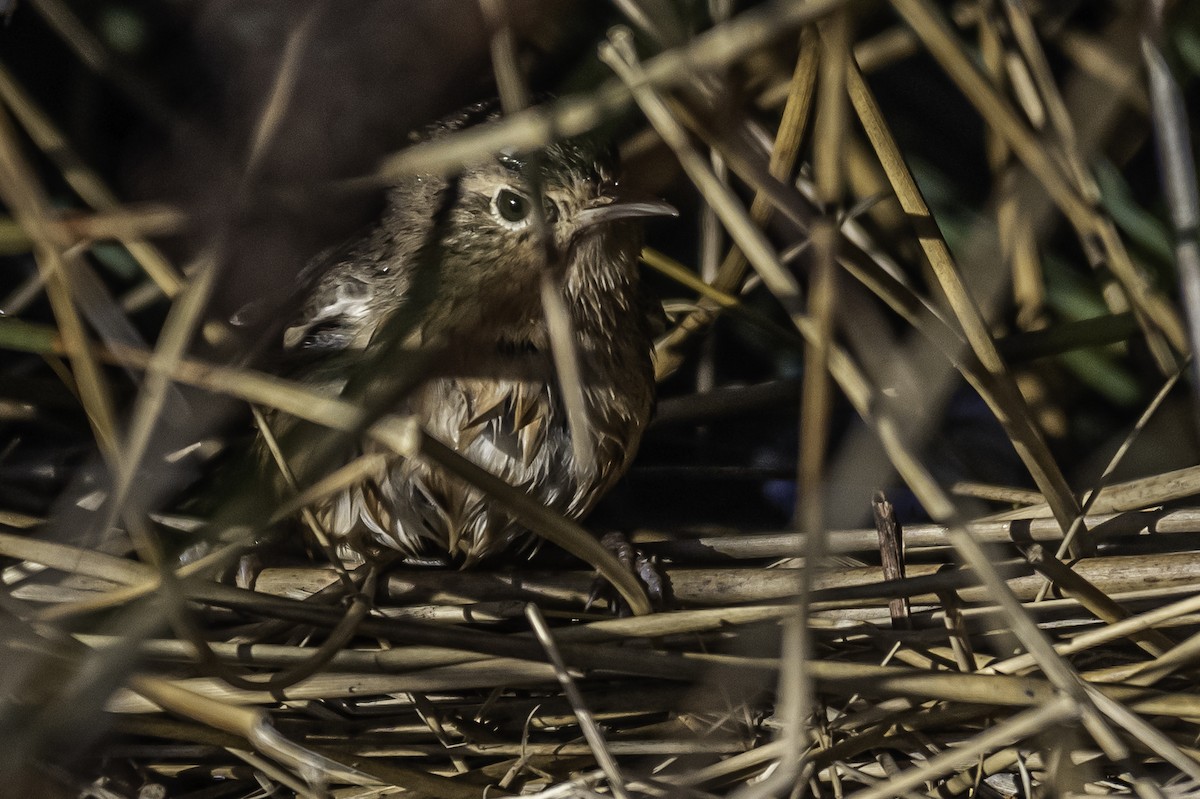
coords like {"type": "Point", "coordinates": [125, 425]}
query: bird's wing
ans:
{"type": "Point", "coordinates": [356, 287]}
{"type": "Point", "coordinates": [338, 309]}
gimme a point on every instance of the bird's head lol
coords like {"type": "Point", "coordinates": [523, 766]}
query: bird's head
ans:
{"type": "Point", "coordinates": [530, 208]}
{"type": "Point", "coordinates": [515, 217]}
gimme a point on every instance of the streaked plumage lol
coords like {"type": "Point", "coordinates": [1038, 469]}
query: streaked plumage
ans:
{"type": "Point", "coordinates": [487, 311]}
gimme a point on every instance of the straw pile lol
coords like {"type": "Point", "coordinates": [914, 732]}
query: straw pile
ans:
{"type": "Point", "coordinates": [1031, 640]}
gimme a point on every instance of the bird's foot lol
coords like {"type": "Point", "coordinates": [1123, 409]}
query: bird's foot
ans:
{"type": "Point", "coordinates": [642, 566]}
{"type": "Point", "coordinates": [248, 568]}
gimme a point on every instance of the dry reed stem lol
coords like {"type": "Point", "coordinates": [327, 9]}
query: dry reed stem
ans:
{"type": "Point", "coordinates": [1144, 492]}
{"type": "Point", "coordinates": [86, 183]}
{"type": "Point", "coordinates": [1016, 236]}
{"type": "Point", "coordinates": [1058, 711]}
{"type": "Point", "coordinates": [514, 97]}
{"type": "Point", "coordinates": [538, 127]}
{"type": "Point", "coordinates": [1178, 176]}
{"type": "Point", "coordinates": [839, 678]}
{"type": "Point", "coordinates": [732, 585]}
{"type": "Point", "coordinates": [1116, 459]}
{"type": "Point", "coordinates": [1003, 397]}
{"type": "Point", "coordinates": [785, 150]}
{"type": "Point", "coordinates": [597, 745]}
{"type": "Point", "coordinates": [731, 544]}
{"type": "Point", "coordinates": [30, 206]}
{"type": "Point", "coordinates": [940, 41]}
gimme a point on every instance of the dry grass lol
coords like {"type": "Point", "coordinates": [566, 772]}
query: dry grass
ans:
{"type": "Point", "coordinates": [1048, 648]}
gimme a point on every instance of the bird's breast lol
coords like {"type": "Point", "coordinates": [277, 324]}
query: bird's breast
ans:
{"type": "Point", "coordinates": [515, 428]}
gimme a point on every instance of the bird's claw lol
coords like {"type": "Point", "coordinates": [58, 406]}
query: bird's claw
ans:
{"type": "Point", "coordinates": [643, 567]}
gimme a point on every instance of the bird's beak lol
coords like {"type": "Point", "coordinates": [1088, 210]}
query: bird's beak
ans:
{"type": "Point", "coordinates": [615, 208]}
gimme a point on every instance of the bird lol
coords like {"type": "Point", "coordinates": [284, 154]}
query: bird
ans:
{"type": "Point", "coordinates": [479, 235]}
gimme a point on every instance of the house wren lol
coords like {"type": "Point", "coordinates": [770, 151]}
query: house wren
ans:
{"type": "Point", "coordinates": [480, 236]}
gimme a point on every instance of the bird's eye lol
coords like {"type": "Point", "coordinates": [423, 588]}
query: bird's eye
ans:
{"type": "Point", "coordinates": [512, 208]}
